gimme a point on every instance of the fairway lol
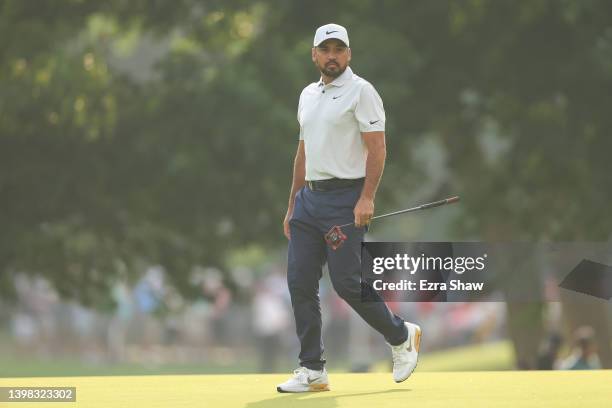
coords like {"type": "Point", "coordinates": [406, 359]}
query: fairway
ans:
{"type": "Point", "coordinates": [457, 389]}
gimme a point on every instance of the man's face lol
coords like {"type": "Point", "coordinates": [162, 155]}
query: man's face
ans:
{"type": "Point", "coordinates": [331, 57]}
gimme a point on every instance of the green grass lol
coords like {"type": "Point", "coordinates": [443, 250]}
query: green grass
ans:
{"type": "Point", "coordinates": [485, 357]}
{"type": "Point", "coordinates": [22, 367]}
{"type": "Point", "coordinates": [508, 389]}
{"type": "Point", "coordinates": [480, 357]}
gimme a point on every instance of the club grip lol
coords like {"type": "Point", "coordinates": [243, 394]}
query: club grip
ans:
{"type": "Point", "coordinates": [449, 200]}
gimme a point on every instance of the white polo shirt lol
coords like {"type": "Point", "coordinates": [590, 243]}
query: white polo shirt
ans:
{"type": "Point", "coordinates": [331, 119]}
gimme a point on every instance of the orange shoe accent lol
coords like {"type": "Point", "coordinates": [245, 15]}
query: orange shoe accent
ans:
{"type": "Point", "coordinates": [318, 387]}
{"type": "Point", "coordinates": [417, 339]}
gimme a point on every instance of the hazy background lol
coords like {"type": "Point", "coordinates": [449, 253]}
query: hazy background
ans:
{"type": "Point", "coordinates": [145, 162]}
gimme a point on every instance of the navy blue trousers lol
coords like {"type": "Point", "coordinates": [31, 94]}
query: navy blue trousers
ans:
{"type": "Point", "coordinates": [314, 213]}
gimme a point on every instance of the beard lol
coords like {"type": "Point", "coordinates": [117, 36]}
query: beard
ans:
{"type": "Point", "coordinates": [332, 70]}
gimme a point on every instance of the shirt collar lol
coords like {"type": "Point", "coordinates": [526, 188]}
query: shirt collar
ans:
{"type": "Point", "coordinates": [341, 80]}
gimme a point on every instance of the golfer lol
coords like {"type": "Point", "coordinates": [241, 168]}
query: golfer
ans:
{"type": "Point", "coordinates": [338, 165]}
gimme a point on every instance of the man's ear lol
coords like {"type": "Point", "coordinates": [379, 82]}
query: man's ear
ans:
{"type": "Point", "coordinates": [349, 55]}
{"type": "Point", "coordinates": [314, 50]}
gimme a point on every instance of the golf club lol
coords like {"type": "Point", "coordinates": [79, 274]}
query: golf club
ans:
{"type": "Point", "coordinates": [335, 237]}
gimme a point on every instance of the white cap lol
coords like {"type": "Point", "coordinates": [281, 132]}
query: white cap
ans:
{"type": "Point", "coordinates": [331, 31]}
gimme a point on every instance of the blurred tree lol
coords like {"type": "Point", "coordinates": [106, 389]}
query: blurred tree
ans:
{"type": "Point", "coordinates": [179, 162]}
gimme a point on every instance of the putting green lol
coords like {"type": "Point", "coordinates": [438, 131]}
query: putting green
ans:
{"type": "Point", "coordinates": [426, 389]}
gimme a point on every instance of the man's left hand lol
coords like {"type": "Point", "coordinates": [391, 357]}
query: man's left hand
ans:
{"type": "Point", "coordinates": [364, 210]}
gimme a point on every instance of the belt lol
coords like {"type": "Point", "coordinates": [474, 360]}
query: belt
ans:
{"type": "Point", "coordinates": [333, 184]}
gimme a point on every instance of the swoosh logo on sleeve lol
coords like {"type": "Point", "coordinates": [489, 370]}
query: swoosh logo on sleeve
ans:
{"type": "Point", "coordinates": [336, 97]}
{"type": "Point", "coordinates": [329, 32]}
{"type": "Point", "coordinates": [374, 121]}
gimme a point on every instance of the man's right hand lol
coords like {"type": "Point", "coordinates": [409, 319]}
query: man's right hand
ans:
{"type": "Point", "coordinates": [286, 224]}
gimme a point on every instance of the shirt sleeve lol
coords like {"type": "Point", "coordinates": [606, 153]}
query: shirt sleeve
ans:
{"type": "Point", "coordinates": [298, 117]}
{"type": "Point", "coordinates": [369, 110]}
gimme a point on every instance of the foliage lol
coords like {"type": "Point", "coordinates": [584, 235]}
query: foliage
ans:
{"type": "Point", "coordinates": [188, 156]}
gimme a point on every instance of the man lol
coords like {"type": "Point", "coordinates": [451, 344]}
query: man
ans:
{"type": "Point", "coordinates": [338, 165]}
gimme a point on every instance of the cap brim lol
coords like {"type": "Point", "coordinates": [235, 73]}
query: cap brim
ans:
{"type": "Point", "coordinates": [331, 38]}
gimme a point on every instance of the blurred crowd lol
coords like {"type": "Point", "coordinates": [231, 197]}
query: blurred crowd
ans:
{"type": "Point", "coordinates": [249, 323]}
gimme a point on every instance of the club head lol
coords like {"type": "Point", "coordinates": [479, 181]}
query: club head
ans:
{"type": "Point", "coordinates": [335, 237]}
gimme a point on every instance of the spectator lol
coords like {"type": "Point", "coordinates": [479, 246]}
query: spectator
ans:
{"type": "Point", "coordinates": [584, 353]}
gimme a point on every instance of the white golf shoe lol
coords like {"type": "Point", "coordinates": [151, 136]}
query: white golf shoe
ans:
{"type": "Point", "coordinates": [406, 354]}
{"type": "Point", "coordinates": [305, 380]}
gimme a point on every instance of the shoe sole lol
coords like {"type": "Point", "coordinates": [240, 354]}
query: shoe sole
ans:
{"type": "Point", "coordinates": [311, 388]}
{"type": "Point", "coordinates": [417, 345]}
{"type": "Point", "coordinates": [417, 340]}
{"type": "Point", "coordinates": [318, 387]}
